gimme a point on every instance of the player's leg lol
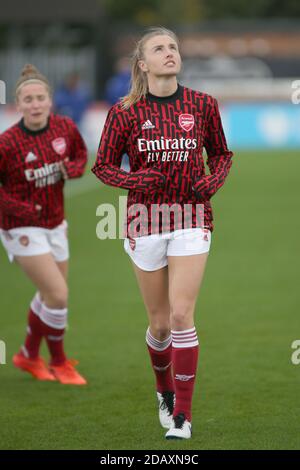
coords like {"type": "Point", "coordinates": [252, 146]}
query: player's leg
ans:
{"type": "Point", "coordinates": [48, 306]}
{"type": "Point", "coordinates": [53, 294]}
{"type": "Point", "coordinates": [65, 373]}
{"type": "Point", "coordinates": [43, 271]}
{"type": "Point", "coordinates": [154, 289]}
{"type": "Point", "coordinates": [63, 267]}
{"type": "Point", "coordinates": [58, 241]}
{"type": "Point", "coordinates": [185, 277]}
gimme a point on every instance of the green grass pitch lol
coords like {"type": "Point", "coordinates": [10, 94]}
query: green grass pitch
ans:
{"type": "Point", "coordinates": [247, 392]}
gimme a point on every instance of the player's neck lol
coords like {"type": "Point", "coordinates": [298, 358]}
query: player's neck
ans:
{"type": "Point", "coordinates": [32, 126]}
{"type": "Point", "coordinates": [162, 86]}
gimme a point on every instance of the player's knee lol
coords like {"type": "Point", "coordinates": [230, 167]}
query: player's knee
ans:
{"type": "Point", "coordinates": [160, 331]}
{"type": "Point", "coordinates": [57, 299]}
{"type": "Point", "coordinates": [181, 314]}
{"type": "Point", "coordinates": [159, 321]}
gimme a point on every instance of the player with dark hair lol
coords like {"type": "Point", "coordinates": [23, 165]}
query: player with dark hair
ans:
{"type": "Point", "coordinates": [37, 155]}
{"type": "Point", "coordinates": [164, 127]}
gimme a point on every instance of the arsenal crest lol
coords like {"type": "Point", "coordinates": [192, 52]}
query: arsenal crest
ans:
{"type": "Point", "coordinates": [186, 121]}
{"type": "Point", "coordinates": [24, 240]}
{"type": "Point", "coordinates": [59, 145]}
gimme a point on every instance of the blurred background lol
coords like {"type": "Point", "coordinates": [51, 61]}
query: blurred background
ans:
{"type": "Point", "coordinates": [247, 54]}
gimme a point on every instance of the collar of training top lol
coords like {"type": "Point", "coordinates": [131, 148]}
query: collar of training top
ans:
{"type": "Point", "coordinates": [166, 99]}
{"type": "Point", "coordinates": [32, 132]}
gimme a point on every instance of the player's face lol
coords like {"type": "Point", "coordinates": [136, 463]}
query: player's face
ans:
{"type": "Point", "coordinates": [161, 57]}
{"type": "Point", "coordinates": [34, 103]}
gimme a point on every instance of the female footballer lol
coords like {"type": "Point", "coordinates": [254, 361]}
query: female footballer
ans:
{"type": "Point", "coordinates": [37, 155]}
{"type": "Point", "coordinates": [164, 127]}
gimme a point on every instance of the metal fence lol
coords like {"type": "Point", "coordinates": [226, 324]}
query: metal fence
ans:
{"type": "Point", "coordinates": [55, 64]}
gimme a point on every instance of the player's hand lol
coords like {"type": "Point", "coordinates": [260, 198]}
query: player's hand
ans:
{"type": "Point", "coordinates": [32, 211]}
{"type": "Point", "coordinates": [150, 180]}
{"type": "Point", "coordinates": [201, 188]}
{"type": "Point", "coordinates": [63, 168]}
{"type": "Point", "coordinates": [38, 211]}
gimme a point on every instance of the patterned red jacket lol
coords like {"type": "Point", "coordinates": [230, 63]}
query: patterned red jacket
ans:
{"type": "Point", "coordinates": [164, 138]}
{"type": "Point", "coordinates": [31, 173]}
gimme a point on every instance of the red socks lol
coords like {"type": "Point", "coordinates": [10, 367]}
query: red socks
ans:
{"type": "Point", "coordinates": [34, 336]}
{"type": "Point", "coordinates": [182, 356]}
{"type": "Point", "coordinates": [161, 359]}
{"type": "Point", "coordinates": [50, 323]}
{"type": "Point", "coordinates": [55, 321]}
{"type": "Point", "coordinates": [185, 348]}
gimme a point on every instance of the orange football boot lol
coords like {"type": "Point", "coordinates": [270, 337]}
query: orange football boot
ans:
{"type": "Point", "coordinates": [36, 367]}
{"type": "Point", "coordinates": [66, 373]}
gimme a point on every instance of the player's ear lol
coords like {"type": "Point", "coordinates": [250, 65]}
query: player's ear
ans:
{"type": "Point", "coordinates": [143, 66]}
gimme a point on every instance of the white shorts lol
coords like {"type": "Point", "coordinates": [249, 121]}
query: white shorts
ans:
{"type": "Point", "coordinates": [32, 241]}
{"type": "Point", "coordinates": [151, 252]}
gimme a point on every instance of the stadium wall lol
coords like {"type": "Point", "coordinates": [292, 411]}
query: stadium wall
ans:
{"type": "Point", "coordinates": [247, 125]}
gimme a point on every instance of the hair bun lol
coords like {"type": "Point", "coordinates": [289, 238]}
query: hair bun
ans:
{"type": "Point", "coordinates": [29, 70]}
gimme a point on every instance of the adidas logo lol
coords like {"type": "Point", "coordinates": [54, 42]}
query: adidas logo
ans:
{"type": "Point", "coordinates": [148, 125]}
{"type": "Point", "coordinates": [30, 157]}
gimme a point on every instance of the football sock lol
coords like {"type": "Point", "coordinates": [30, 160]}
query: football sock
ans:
{"type": "Point", "coordinates": [161, 360]}
{"type": "Point", "coordinates": [34, 330]}
{"type": "Point", "coordinates": [185, 348]}
{"type": "Point", "coordinates": [55, 321]}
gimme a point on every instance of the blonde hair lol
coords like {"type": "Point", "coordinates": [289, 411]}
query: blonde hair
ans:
{"type": "Point", "coordinates": [30, 74]}
{"type": "Point", "coordinates": [139, 82]}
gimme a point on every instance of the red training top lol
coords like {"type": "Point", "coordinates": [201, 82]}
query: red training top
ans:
{"type": "Point", "coordinates": [164, 138]}
{"type": "Point", "coordinates": [30, 172]}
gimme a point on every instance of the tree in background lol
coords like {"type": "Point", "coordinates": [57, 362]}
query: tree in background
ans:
{"type": "Point", "coordinates": [168, 12]}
